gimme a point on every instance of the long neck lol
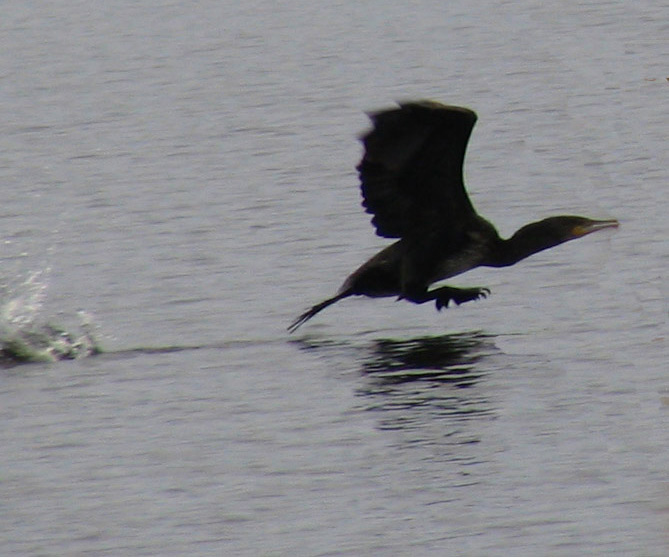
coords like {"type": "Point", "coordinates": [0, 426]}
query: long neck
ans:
{"type": "Point", "coordinates": [528, 240]}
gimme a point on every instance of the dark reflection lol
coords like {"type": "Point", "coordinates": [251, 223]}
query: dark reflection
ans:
{"type": "Point", "coordinates": [417, 380]}
{"type": "Point", "coordinates": [432, 375]}
{"type": "Point", "coordinates": [430, 392]}
{"type": "Point", "coordinates": [446, 358]}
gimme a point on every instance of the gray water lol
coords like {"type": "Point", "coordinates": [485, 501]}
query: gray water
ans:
{"type": "Point", "coordinates": [183, 175]}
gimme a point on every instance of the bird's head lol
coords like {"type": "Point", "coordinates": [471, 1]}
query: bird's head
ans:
{"type": "Point", "coordinates": [565, 228]}
{"type": "Point", "coordinates": [546, 233]}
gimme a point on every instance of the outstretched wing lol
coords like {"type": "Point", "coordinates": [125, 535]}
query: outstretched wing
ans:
{"type": "Point", "coordinates": [411, 172]}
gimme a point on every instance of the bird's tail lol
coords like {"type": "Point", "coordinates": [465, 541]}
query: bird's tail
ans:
{"type": "Point", "coordinates": [315, 309]}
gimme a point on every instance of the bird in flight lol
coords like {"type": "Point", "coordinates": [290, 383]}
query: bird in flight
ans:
{"type": "Point", "coordinates": [411, 182]}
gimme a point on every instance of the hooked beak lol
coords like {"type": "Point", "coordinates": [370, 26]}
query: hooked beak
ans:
{"type": "Point", "coordinates": [594, 226]}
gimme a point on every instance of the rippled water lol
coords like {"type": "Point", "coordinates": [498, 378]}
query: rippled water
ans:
{"type": "Point", "coordinates": [183, 175]}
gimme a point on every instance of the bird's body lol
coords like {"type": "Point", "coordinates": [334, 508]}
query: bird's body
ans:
{"type": "Point", "coordinates": [394, 268]}
{"type": "Point", "coordinates": [411, 181]}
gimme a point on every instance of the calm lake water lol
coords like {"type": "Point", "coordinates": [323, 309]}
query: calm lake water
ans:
{"type": "Point", "coordinates": [183, 174]}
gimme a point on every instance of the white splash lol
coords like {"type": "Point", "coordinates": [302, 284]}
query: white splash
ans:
{"type": "Point", "coordinates": [24, 338]}
{"type": "Point", "coordinates": [21, 304]}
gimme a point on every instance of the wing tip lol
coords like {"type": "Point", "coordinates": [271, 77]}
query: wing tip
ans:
{"type": "Point", "coordinates": [436, 106]}
{"type": "Point", "coordinates": [417, 106]}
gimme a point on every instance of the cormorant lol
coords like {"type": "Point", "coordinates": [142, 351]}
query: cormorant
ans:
{"type": "Point", "coordinates": [412, 184]}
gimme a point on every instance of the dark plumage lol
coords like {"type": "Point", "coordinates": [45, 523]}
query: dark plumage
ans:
{"type": "Point", "coordinates": [411, 182]}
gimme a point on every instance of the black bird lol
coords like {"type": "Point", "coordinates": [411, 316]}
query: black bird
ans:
{"type": "Point", "coordinates": [411, 181]}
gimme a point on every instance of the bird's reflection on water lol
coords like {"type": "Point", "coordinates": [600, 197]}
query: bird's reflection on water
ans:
{"type": "Point", "coordinates": [424, 382]}
{"type": "Point", "coordinates": [418, 382]}
{"type": "Point", "coordinates": [446, 358]}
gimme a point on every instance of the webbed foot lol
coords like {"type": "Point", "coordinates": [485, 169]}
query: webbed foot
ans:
{"type": "Point", "coordinates": [446, 294]}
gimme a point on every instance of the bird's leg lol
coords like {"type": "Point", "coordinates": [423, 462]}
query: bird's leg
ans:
{"type": "Point", "coordinates": [445, 294]}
